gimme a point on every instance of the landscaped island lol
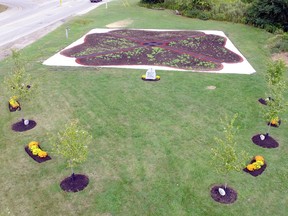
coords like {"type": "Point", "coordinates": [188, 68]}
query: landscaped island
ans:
{"type": "Point", "coordinates": [189, 50]}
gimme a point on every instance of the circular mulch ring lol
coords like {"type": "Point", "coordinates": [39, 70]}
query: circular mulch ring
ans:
{"type": "Point", "coordinates": [230, 196]}
{"type": "Point", "coordinates": [268, 142]}
{"type": "Point", "coordinates": [20, 127]}
{"type": "Point", "coordinates": [256, 172]}
{"type": "Point", "coordinates": [74, 183]}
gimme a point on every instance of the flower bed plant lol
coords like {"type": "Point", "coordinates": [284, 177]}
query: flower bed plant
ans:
{"type": "Point", "coordinates": [143, 77]}
{"type": "Point", "coordinates": [34, 150]}
{"type": "Point", "coordinates": [256, 166]}
{"type": "Point", "coordinates": [14, 104]}
{"type": "Point", "coordinates": [275, 122]}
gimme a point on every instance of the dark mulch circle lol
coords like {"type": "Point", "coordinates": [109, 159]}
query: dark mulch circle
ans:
{"type": "Point", "coordinates": [274, 125]}
{"type": "Point", "coordinates": [230, 196]}
{"type": "Point", "coordinates": [74, 184]}
{"type": "Point", "coordinates": [35, 157]}
{"type": "Point", "coordinates": [20, 127]}
{"type": "Point", "coordinates": [256, 172]}
{"type": "Point", "coordinates": [11, 109]}
{"type": "Point", "coordinates": [268, 142]}
{"type": "Point", "coordinates": [150, 79]}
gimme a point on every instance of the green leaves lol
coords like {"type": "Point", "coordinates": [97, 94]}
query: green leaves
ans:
{"type": "Point", "coordinates": [276, 87]}
{"type": "Point", "coordinates": [275, 73]}
{"type": "Point", "coordinates": [19, 83]}
{"type": "Point", "coordinates": [72, 144]}
{"type": "Point", "coordinates": [268, 14]}
{"type": "Point", "coordinates": [224, 155]}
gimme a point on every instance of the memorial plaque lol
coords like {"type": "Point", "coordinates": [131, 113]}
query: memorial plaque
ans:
{"type": "Point", "coordinates": [151, 74]}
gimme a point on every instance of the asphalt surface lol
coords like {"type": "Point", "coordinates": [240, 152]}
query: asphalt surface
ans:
{"type": "Point", "coordinates": [28, 20]}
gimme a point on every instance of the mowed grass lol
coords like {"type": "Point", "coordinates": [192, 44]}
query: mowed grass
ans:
{"type": "Point", "coordinates": [151, 149]}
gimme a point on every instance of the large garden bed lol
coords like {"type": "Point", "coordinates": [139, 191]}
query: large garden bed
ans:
{"type": "Point", "coordinates": [208, 51]}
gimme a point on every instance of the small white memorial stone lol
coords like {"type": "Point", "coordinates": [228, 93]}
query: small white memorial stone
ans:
{"type": "Point", "coordinates": [26, 122]}
{"type": "Point", "coordinates": [222, 191]}
{"type": "Point", "coordinates": [262, 137]}
{"type": "Point", "coordinates": [151, 74]}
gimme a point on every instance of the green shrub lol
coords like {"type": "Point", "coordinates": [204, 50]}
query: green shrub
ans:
{"type": "Point", "coordinates": [279, 43]}
{"type": "Point", "coordinates": [151, 1]}
{"type": "Point", "coordinates": [204, 15]}
{"type": "Point", "coordinates": [247, 1]}
{"type": "Point", "coordinates": [268, 14]}
{"type": "Point", "coordinates": [183, 5]}
{"type": "Point", "coordinates": [196, 13]}
{"type": "Point", "coordinates": [270, 28]}
{"type": "Point", "coordinates": [193, 13]}
{"type": "Point", "coordinates": [170, 4]}
{"type": "Point", "coordinates": [232, 12]}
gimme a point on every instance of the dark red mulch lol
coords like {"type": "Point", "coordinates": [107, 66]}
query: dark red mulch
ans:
{"type": "Point", "coordinates": [150, 79]}
{"type": "Point", "coordinates": [11, 109]}
{"type": "Point", "coordinates": [35, 157]}
{"type": "Point", "coordinates": [78, 183]}
{"type": "Point", "coordinates": [268, 142]}
{"type": "Point", "coordinates": [20, 127]}
{"type": "Point", "coordinates": [274, 125]}
{"type": "Point", "coordinates": [131, 47]}
{"type": "Point", "coordinates": [230, 197]}
{"type": "Point", "coordinates": [255, 172]}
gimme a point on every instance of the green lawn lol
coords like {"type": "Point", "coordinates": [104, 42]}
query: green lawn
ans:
{"type": "Point", "coordinates": [151, 149]}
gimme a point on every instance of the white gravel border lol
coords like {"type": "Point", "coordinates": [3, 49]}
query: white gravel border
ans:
{"type": "Point", "coordinates": [231, 68]}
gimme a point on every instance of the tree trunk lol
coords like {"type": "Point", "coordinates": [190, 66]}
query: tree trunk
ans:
{"type": "Point", "coordinates": [72, 171]}
{"type": "Point", "coordinates": [73, 176]}
{"type": "Point", "coordinates": [267, 134]}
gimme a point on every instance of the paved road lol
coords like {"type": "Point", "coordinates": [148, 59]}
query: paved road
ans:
{"type": "Point", "coordinates": [27, 20]}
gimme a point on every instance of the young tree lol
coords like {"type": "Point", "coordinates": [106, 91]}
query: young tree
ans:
{"type": "Point", "coordinates": [274, 74]}
{"type": "Point", "coordinates": [72, 144]}
{"type": "Point", "coordinates": [224, 155]}
{"type": "Point", "coordinates": [276, 86]}
{"type": "Point", "coordinates": [18, 82]}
